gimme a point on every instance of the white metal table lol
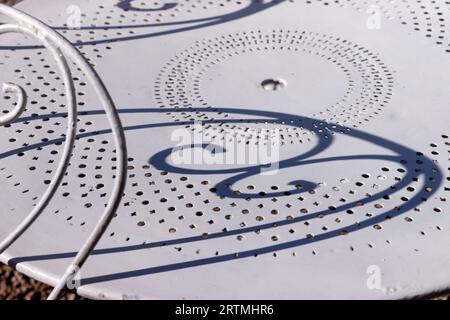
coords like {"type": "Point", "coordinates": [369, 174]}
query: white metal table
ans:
{"type": "Point", "coordinates": [354, 94]}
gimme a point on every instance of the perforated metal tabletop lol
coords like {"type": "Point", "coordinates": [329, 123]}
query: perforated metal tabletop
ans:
{"type": "Point", "coordinates": [353, 93]}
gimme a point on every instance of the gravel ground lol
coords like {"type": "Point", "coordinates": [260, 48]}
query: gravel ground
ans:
{"type": "Point", "coordinates": [16, 286]}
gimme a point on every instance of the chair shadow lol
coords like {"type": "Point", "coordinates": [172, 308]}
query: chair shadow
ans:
{"type": "Point", "coordinates": [251, 9]}
{"type": "Point", "coordinates": [416, 167]}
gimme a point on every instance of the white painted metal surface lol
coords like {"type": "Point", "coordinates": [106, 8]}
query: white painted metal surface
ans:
{"type": "Point", "coordinates": [358, 90]}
